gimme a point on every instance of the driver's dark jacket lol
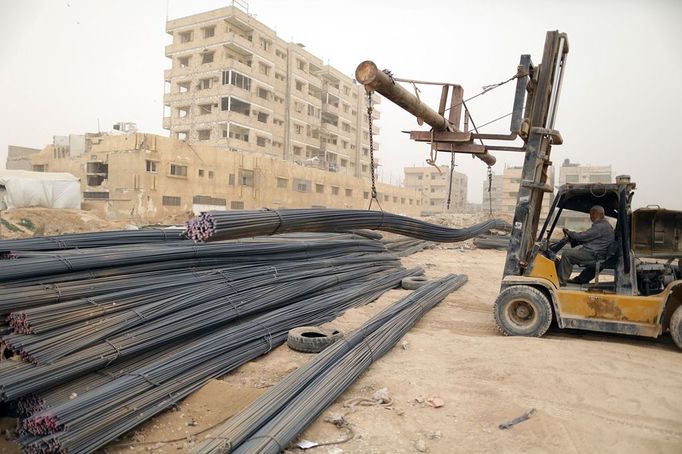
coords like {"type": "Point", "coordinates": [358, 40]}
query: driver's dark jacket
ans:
{"type": "Point", "coordinates": [596, 239]}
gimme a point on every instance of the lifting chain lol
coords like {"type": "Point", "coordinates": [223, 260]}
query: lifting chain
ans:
{"type": "Point", "coordinates": [370, 110]}
{"type": "Point", "coordinates": [452, 170]}
{"type": "Point", "coordinates": [490, 190]}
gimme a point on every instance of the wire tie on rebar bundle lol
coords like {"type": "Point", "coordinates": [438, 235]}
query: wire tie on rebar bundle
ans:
{"type": "Point", "coordinates": [267, 339]}
{"type": "Point", "coordinates": [279, 224]}
{"type": "Point", "coordinates": [65, 261]}
{"type": "Point", "coordinates": [235, 307]}
{"type": "Point", "coordinates": [274, 268]}
{"type": "Point", "coordinates": [146, 378]}
{"type": "Point", "coordinates": [93, 302]}
{"type": "Point", "coordinates": [224, 442]}
{"type": "Point", "coordinates": [281, 448]}
{"type": "Point", "coordinates": [371, 352]}
{"type": "Point", "coordinates": [142, 317]}
{"type": "Point", "coordinates": [118, 352]}
{"type": "Point", "coordinates": [59, 292]}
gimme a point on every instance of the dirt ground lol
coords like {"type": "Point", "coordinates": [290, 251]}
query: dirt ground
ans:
{"type": "Point", "coordinates": [591, 392]}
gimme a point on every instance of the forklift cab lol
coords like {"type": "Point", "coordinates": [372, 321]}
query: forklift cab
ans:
{"type": "Point", "coordinates": [643, 298]}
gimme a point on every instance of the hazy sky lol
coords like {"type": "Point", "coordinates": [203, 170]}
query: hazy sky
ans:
{"type": "Point", "coordinates": [67, 64]}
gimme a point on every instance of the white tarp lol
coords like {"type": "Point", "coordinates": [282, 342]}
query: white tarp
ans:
{"type": "Point", "coordinates": [21, 189]}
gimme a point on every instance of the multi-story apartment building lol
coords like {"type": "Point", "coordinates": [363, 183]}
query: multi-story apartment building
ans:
{"type": "Point", "coordinates": [148, 178]}
{"type": "Point", "coordinates": [506, 191]}
{"type": "Point", "coordinates": [575, 173]}
{"type": "Point", "coordinates": [432, 188]}
{"type": "Point", "coordinates": [235, 84]}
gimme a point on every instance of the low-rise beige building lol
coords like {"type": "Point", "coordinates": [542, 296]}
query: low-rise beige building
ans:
{"type": "Point", "coordinates": [432, 188]}
{"type": "Point", "coordinates": [505, 192]}
{"type": "Point", "coordinates": [146, 178]}
{"type": "Point", "coordinates": [19, 158]}
{"type": "Point", "coordinates": [571, 172]}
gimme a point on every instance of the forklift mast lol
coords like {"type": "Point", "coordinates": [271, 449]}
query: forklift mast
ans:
{"type": "Point", "coordinates": [533, 117]}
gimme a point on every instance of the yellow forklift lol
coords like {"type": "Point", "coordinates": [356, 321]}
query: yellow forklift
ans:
{"type": "Point", "coordinates": [644, 298]}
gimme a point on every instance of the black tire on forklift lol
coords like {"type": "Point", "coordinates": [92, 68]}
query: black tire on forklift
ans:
{"type": "Point", "coordinates": [676, 327]}
{"type": "Point", "coordinates": [521, 310]}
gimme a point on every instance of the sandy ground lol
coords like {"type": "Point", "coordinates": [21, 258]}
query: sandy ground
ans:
{"type": "Point", "coordinates": [591, 392]}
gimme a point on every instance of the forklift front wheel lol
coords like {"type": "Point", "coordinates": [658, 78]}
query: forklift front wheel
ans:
{"type": "Point", "coordinates": [676, 327]}
{"type": "Point", "coordinates": [521, 310]}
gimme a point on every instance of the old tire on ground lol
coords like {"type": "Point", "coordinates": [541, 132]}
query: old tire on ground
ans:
{"type": "Point", "coordinates": [521, 310]}
{"type": "Point", "coordinates": [413, 282]}
{"type": "Point", "coordinates": [311, 339]}
{"type": "Point", "coordinates": [676, 327]}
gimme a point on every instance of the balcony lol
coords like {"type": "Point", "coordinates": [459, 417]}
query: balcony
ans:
{"type": "Point", "coordinates": [330, 108]}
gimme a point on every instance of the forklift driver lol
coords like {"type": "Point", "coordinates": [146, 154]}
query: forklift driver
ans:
{"type": "Point", "coordinates": [594, 243]}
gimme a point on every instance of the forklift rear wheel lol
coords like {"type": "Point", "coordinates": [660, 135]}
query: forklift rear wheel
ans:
{"type": "Point", "coordinates": [521, 310]}
{"type": "Point", "coordinates": [676, 327]}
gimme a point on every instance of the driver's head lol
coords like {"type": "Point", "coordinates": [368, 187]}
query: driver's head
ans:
{"type": "Point", "coordinates": [596, 213]}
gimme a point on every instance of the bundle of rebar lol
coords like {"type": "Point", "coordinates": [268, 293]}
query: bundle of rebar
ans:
{"type": "Point", "coordinates": [406, 246]}
{"type": "Point", "coordinates": [274, 419]}
{"type": "Point", "coordinates": [222, 225]}
{"type": "Point", "coordinates": [92, 240]}
{"type": "Point", "coordinates": [90, 420]}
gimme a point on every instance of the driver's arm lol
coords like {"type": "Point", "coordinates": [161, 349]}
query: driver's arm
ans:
{"type": "Point", "coordinates": [582, 237]}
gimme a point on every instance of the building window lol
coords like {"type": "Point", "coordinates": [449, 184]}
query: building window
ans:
{"type": "Point", "coordinates": [209, 32]}
{"type": "Point", "coordinates": [184, 61]}
{"type": "Point", "coordinates": [263, 93]}
{"type": "Point", "coordinates": [265, 44]}
{"type": "Point", "coordinates": [365, 195]}
{"type": "Point", "coordinates": [262, 117]}
{"type": "Point", "coordinates": [263, 68]}
{"type": "Point", "coordinates": [300, 86]}
{"type": "Point", "coordinates": [364, 168]}
{"type": "Point", "coordinates": [205, 84]}
{"type": "Point", "coordinates": [395, 199]}
{"type": "Point", "coordinates": [280, 76]}
{"type": "Point", "coordinates": [95, 195]}
{"type": "Point", "coordinates": [151, 166]}
{"type": "Point", "coordinates": [201, 172]}
{"type": "Point", "coordinates": [349, 193]}
{"type": "Point", "coordinates": [186, 37]}
{"type": "Point", "coordinates": [182, 135]}
{"type": "Point", "coordinates": [297, 151]}
{"type": "Point", "coordinates": [301, 185]}
{"type": "Point", "coordinates": [207, 57]}
{"type": "Point", "coordinates": [298, 128]}
{"type": "Point", "coordinates": [246, 178]}
{"type": "Point", "coordinates": [335, 190]}
{"type": "Point", "coordinates": [319, 188]}
{"type": "Point", "coordinates": [236, 205]}
{"type": "Point", "coordinates": [210, 174]}
{"type": "Point", "coordinates": [282, 183]}
{"type": "Point", "coordinates": [170, 201]}
{"type": "Point", "coordinates": [230, 179]}
{"type": "Point", "coordinates": [178, 170]}
{"type": "Point", "coordinates": [261, 141]}
{"type": "Point", "coordinates": [300, 64]}
{"type": "Point", "coordinates": [205, 109]}
{"type": "Point", "coordinates": [402, 200]}
{"type": "Point", "coordinates": [344, 162]}
{"type": "Point", "coordinates": [386, 198]}
{"type": "Point", "coordinates": [204, 134]}
{"type": "Point", "coordinates": [183, 87]}
{"type": "Point", "coordinates": [237, 79]}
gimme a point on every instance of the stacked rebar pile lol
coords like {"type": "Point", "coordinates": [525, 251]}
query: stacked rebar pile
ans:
{"type": "Point", "coordinates": [273, 420]}
{"type": "Point", "coordinates": [222, 225]}
{"type": "Point", "coordinates": [92, 240]}
{"type": "Point", "coordinates": [112, 335]}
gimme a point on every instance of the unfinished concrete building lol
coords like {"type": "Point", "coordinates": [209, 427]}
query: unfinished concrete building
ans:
{"type": "Point", "coordinates": [433, 186]}
{"type": "Point", "coordinates": [235, 84]}
{"type": "Point", "coordinates": [19, 158]}
{"type": "Point", "coordinates": [148, 178]}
